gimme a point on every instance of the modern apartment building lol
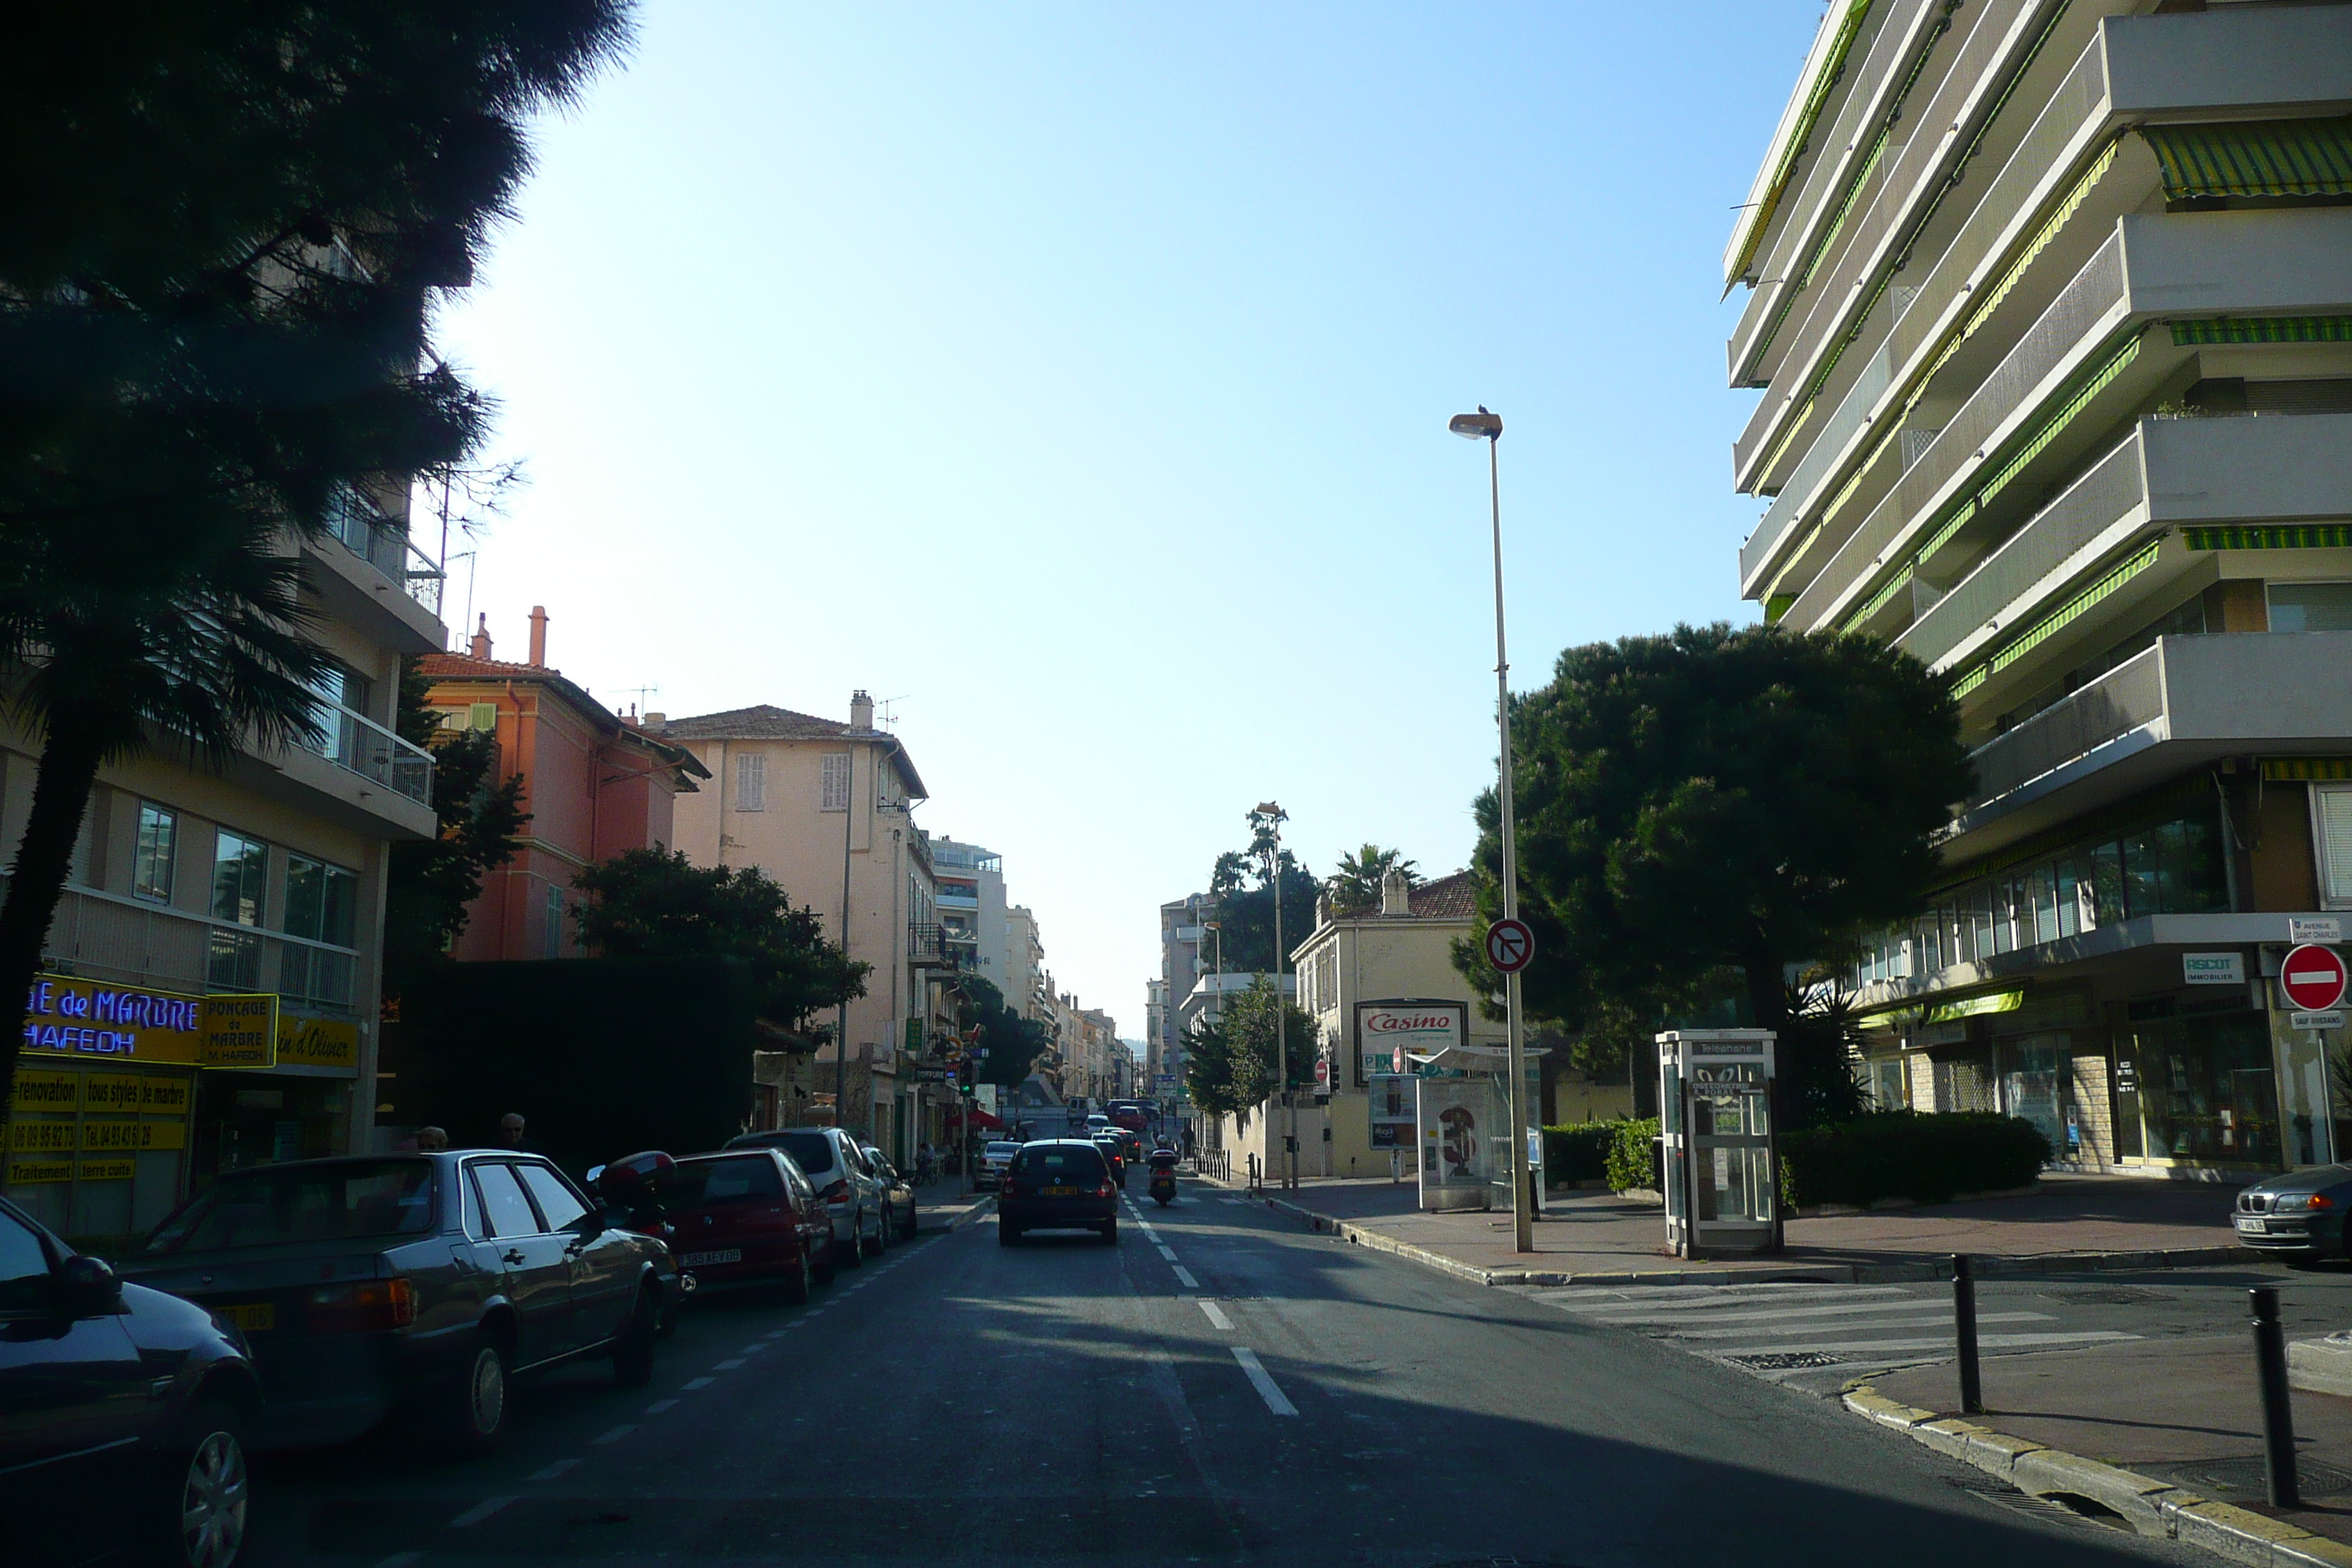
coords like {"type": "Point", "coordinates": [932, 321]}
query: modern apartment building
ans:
{"type": "Point", "coordinates": [1024, 963]}
{"type": "Point", "coordinates": [970, 898]}
{"type": "Point", "coordinates": [1186, 954]}
{"type": "Point", "coordinates": [2050, 311]}
{"type": "Point", "coordinates": [235, 915]}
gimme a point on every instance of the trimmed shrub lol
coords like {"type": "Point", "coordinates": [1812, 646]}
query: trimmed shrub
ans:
{"type": "Point", "coordinates": [1578, 1152]}
{"type": "Point", "coordinates": [1927, 1157]}
{"type": "Point", "coordinates": [1632, 1161]}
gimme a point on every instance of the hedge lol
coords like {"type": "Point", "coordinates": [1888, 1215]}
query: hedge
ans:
{"type": "Point", "coordinates": [1632, 1154]}
{"type": "Point", "coordinates": [1578, 1152]}
{"type": "Point", "coordinates": [1927, 1157]}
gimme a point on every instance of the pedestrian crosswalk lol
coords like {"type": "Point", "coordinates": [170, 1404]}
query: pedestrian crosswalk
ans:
{"type": "Point", "coordinates": [1784, 1332]}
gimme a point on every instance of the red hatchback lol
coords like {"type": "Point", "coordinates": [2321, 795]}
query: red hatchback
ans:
{"type": "Point", "coordinates": [747, 1217]}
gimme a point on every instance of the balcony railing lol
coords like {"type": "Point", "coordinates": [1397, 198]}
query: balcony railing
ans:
{"type": "Point", "coordinates": [926, 945]}
{"type": "Point", "coordinates": [2123, 700]}
{"type": "Point", "coordinates": [176, 949]}
{"type": "Point", "coordinates": [358, 743]}
{"type": "Point", "coordinates": [385, 545]}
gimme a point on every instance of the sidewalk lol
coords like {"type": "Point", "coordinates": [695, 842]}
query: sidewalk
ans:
{"type": "Point", "coordinates": [2072, 1222]}
{"type": "Point", "coordinates": [944, 1206]}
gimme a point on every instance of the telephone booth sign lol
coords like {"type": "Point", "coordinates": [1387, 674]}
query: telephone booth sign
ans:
{"type": "Point", "coordinates": [1722, 1175]}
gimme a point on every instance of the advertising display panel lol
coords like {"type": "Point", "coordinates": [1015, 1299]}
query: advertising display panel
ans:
{"type": "Point", "coordinates": [1392, 1110]}
{"type": "Point", "coordinates": [1459, 1122]}
{"type": "Point", "coordinates": [1386, 1030]}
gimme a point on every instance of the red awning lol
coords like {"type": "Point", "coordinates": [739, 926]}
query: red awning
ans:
{"type": "Point", "coordinates": [979, 1119]}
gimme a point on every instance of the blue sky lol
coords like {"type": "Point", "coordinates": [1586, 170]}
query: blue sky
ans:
{"type": "Point", "coordinates": [1077, 376]}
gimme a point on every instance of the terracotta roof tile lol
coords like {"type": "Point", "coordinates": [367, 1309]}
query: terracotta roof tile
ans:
{"type": "Point", "coordinates": [1454, 897]}
{"type": "Point", "coordinates": [764, 723]}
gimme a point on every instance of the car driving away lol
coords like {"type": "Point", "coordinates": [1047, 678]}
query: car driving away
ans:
{"type": "Point", "coordinates": [370, 1285]}
{"type": "Point", "coordinates": [1061, 1184]}
{"type": "Point", "coordinates": [990, 1173]}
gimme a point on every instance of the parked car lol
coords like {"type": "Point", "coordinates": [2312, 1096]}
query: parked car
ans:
{"type": "Point", "coordinates": [122, 1414]}
{"type": "Point", "coordinates": [992, 1161]}
{"type": "Point", "coordinates": [2300, 1213]}
{"type": "Point", "coordinates": [851, 1195]}
{"type": "Point", "coordinates": [1061, 1184]}
{"type": "Point", "coordinates": [745, 1218]}
{"type": "Point", "coordinates": [370, 1284]}
{"type": "Point", "coordinates": [898, 1193]}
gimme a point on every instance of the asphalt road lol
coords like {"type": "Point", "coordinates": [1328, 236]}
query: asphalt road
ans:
{"type": "Point", "coordinates": [1221, 1388]}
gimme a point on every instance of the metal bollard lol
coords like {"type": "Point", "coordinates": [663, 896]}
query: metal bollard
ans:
{"type": "Point", "coordinates": [1964, 1334]}
{"type": "Point", "coordinates": [2278, 1416]}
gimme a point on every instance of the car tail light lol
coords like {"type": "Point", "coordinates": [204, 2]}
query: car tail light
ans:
{"type": "Point", "coordinates": [362, 1306]}
{"type": "Point", "coordinates": [1106, 1190]}
{"type": "Point", "coordinates": [837, 1193]}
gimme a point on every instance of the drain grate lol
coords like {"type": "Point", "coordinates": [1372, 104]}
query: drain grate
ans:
{"type": "Point", "coordinates": [2025, 1503]}
{"type": "Point", "coordinates": [1785, 1361]}
{"type": "Point", "coordinates": [2247, 1478]}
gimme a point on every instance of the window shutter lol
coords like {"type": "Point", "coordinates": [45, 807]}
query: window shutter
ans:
{"type": "Point", "coordinates": [751, 782]}
{"type": "Point", "coordinates": [836, 781]}
{"type": "Point", "coordinates": [482, 716]}
{"type": "Point", "coordinates": [2335, 846]}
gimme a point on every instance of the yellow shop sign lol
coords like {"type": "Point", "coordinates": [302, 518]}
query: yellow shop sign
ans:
{"type": "Point", "coordinates": [31, 1172]}
{"type": "Point", "coordinates": [317, 1043]}
{"type": "Point", "coordinates": [80, 1020]}
{"type": "Point", "coordinates": [132, 1137]}
{"type": "Point", "coordinates": [40, 1137]}
{"type": "Point", "coordinates": [240, 1031]}
{"type": "Point", "coordinates": [37, 1090]}
{"type": "Point", "coordinates": [109, 1170]}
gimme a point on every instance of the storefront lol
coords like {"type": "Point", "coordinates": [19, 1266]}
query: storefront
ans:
{"type": "Point", "coordinates": [293, 1101]}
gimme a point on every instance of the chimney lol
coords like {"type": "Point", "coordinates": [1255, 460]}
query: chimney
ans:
{"type": "Point", "coordinates": [657, 721]}
{"type": "Point", "coordinates": [481, 649]}
{"type": "Point", "coordinates": [1396, 899]}
{"type": "Point", "coordinates": [539, 636]}
{"type": "Point", "coordinates": [861, 710]}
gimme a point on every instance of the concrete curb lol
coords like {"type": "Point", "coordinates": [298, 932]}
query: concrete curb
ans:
{"type": "Point", "coordinates": [2151, 1506]}
{"type": "Point", "coordinates": [1832, 1273]}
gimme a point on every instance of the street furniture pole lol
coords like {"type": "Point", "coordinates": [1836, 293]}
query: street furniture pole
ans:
{"type": "Point", "coordinates": [1964, 1334]}
{"type": "Point", "coordinates": [2278, 1416]}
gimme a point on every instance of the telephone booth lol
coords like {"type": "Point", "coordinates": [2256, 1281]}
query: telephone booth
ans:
{"type": "Point", "coordinates": [1722, 1166]}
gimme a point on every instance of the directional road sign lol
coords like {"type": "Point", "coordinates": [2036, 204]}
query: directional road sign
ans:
{"type": "Point", "coordinates": [2313, 978]}
{"type": "Point", "coordinates": [1510, 945]}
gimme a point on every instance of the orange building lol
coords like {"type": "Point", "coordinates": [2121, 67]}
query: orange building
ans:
{"type": "Point", "coordinates": [594, 782]}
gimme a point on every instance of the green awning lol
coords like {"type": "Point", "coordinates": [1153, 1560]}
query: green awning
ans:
{"type": "Point", "coordinates": [2265, 158]}
{"type": "Point", "coordinates": [1992, 1002]}
{"type": "Point", "coordinates": [2260, 330]}
{"type": "Point", "coordinates": [2270, 536]}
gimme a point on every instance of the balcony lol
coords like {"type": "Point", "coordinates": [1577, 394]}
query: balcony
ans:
{"type": "Point", "coordinates": [357, 774]}
{"type": "Point", "coordinates": [2184, 702]}
{"type": "Point", "coordinates": [359, 745]}
{"type": "Point", "coordinates": [375, 577]}
{"type": "Point", "coordinates": [132, 941]}
{"type": "Point", "coordinates": [927, 946]}
{"type": "Point", "coordinates": [2266, 469]}
{"type": "Point", "coordinates": [2083, 363]}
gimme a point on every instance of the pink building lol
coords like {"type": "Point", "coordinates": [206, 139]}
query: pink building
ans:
{"type": "Point", "coordinates": [594, 782]}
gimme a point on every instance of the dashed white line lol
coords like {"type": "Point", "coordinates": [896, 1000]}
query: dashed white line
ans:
{"type": "Point", "coordinates": [1184, 1278]}
{"type": "Point", "coordinates": [1276, 1400]}
{"type": "Point", "coordinates": [1216, 1314]}
{"type": "Point", "coordinates": [479, 1511]}
{"type": "Point", "coordinates": [1168, 1253]}
{"type": "Point", "coordinates": [658, 1406]}
{"type": "Point", "coordinates": [729, 1365]}
{"type": "Point", "coordinates": [616, 1433]}
{"type": "Point", "coordinates": [694, 1382]}
{"type": "Point", "coordinates": [753, 1349]}
{"type": "Point", "coordinates": [546, 1473]}
{"type": "Point", "coordinates": [401, 1560]}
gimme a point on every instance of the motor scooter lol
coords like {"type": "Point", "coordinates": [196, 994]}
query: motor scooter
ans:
{"type": "Point", "coordinates": [1164, 1176]}
{"type": "Point", "coordinates": [631, 1190]}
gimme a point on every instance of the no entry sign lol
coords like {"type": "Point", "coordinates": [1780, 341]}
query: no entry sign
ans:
{"type": "Point", "coordinates": [1510, 945]}
{"type": "Point", "coordinates": [2312, 977]}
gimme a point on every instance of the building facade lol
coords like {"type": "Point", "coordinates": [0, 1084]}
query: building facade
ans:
{"type": "Point", "coordinates": [972, 912]}
{"type": "Point", "coordinates": [2051, 309]}
{"type": "Point", "coordinates": [235, 915]}
{"type": "Point", "coordinates": [596, 784]}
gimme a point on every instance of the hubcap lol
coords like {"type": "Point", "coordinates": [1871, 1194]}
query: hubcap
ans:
{"type": "Point", "coordinates": [213, 1503]}
{"type": "Point", "coordinates": [489, 1391]}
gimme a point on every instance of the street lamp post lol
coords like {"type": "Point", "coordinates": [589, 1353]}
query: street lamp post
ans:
{"type": "Point", "coordinates": [1272, 812]}
{"type": "Point", "coordinates": [1486, 427]}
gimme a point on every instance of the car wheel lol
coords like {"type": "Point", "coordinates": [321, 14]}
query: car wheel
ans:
{"type": "Point", "coordinates": [828, 1264]}
{"type": "Point", "coordinates": [1110, 1231]}
{"type": "Point", "coordinates": [633, 1354]}
{"type": "Point", "coordinates": [852, 1256]}
{"type": "Point", "coordinates": [1006, 1234]}
{"type": "Point", "coordinates": [880, 1242]}
{"type": "Point", "coordinates": [473, 1411]}
{"type": "Point", "coordinates": [202, 1495]}
{"type": "Point", "coordinates": [797, 1284]}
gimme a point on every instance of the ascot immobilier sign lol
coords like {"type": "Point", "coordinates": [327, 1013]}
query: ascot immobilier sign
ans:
{"type": "Point", "coordinates": [1386, 1030]}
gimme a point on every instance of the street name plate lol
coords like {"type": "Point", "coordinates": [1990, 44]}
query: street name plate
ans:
{"type": "Point", "coordinates": [2322, 929]}
{"type": "Point", "coordinates": [2332, 1020]}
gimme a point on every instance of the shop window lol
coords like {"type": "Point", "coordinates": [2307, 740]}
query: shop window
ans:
{"type": "Point", "coordinates": [751, 782]}
{"type": "Point", "coordinates": [2206, 1088]}
{"type": "Point", "coordinates": [157, 847]}
{"type": "Point", "coordinates": [2311, 607]}
{"type": "Point", "coordinates": [2331, 814]}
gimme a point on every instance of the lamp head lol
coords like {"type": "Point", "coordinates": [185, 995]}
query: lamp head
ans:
{"type": "Point", "coordinates": [1474, 426]}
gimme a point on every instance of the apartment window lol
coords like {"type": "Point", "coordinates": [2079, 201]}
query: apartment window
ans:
{"type": "Point", "coordinates": [751, 782]}
{"type": "Point", "coordinates": [2311, 607]}
{"type": "Point", "coordinates": [240, 867]}
{"type": "Point", "coordinates": [481, 715]}
{"type": "Point", "coordinates": [835, 792]}
{"type": "Point", "coordinates": [2331, 820]}
{"type": "Point", "coordinates": [321, 900]}
{"type": "Point", "coordinates": [555, 937]}
{"type": "Point", "coordinates": [158, 845]}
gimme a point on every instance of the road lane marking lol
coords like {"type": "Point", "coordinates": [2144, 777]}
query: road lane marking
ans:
{"type": "Point", "coordinates": [1892, 1325]}
{"type": "Point", "coordinates": [1699, 1298]}
{"type": "Point", "coordinates": [1184, 1278]}
{"type": "Point", "coordinates": [1216, 1314]}
{"type": "Point", "coordinates": [694, 1382]}
{"type": "Point", "coordinates": [1684, 1315]}
{"type": "Point", "coordinates": [1984, 1341]}
{"type": "Point", "coordinates": [479, 1511]}
{"type": "Point", "coordinates": [658, 1406]}
{"type": "Point", "coordinates": [753, 1349]}
{"type": "Point", "coordinates": [401, 1560]}
{"type": "Point", "coordinates": [729, 1365]}
{"type": "Point", "coordinates": [1276, 1400]}
{"type": "Point", "coordinates": [550, 1472]}
{"type": "Point", "coordinates": [1168, 1253]}
{"type": "Point", "coordinates": [616, 1433]}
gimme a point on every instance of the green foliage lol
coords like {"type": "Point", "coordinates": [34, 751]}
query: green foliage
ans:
{"type": "Point", "coordinates": [655, 903]}
{"type": "Point", "coordinates": [1249, 1020]}
{"type": "Point", "coordinates": [1208, 1070]}
{"type": "Point", "coordinates": [1631, 1158]}
{"type": "Point", "coordinates": [1243, 888]}
{"type": "Point", "coordinates": [1716, 799]}
{"type": "Point", "coordinates": [1927, 1157]}
{"type": "Point", "coordinates": [1814, 1058]}
{"type": "Point", "coordinates": [1013, 1042]}
{"type": "Point", "coordinates": [1578, 1152]}
{"type": "Point", "coordinates": [428, 886]}
{"type": "Point", "coordinates": [1355, 885]}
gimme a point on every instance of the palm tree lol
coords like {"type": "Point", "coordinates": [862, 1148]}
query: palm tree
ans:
{"type": "Point", "coordinates": [1355, 886]}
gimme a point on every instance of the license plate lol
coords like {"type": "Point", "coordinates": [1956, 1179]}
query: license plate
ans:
{"type": "Point", "coordinates": [2253, 1226]}
{"type": "Point", "coordinates": [1060, 1192]}
{"type": "Point", "coordinates": [250, 1315]}
{"type": "Point", "coordinates": [704, 1260]}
